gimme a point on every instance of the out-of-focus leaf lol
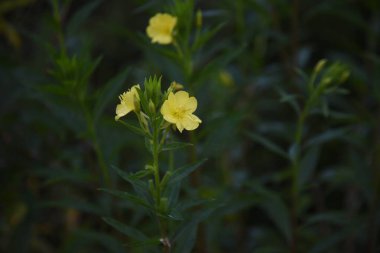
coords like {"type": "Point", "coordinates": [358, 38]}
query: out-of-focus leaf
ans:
{"type": "Point", "coordinates": [291, 99]}
{"type": "Point", "coordinates": [276, 209]}
{"type": "Point", "coordinates": [329, 135]}
{"type": "Point", "coordinates": [205, 36]}
{"type": "Point", "coordinates": [130, 197]}
{"type": "Point", "coordinates": [133, 128]}
{"type": "Point", "coordinates": [175, 145]}
{"type": "Point", "coordinates": [180, 173]}
{"type": "Point", "coordinates": [268, 144]}
{"type": "Point", "coordinates": [184, 237]}
{"type": "Point", "coordinates": [332, 217]}
{"type": "Point", "coordinates": [308, 165]}
{"type": "Point", "coordinates": [139, 186]}
{"type": "Point", "coordinates": [109, 92]}
{"type": "Point", "coordinates": [83, 240]}
{"type": "Point", "coordinates": [81, 16]}
{"type": "Point", "coordinates": [127, 230]}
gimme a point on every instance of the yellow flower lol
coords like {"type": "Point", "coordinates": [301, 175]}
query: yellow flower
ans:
{"type": "Point", "coordinates": [161, 28]}
{"type": "Point", "coordinates": [128, 102]}
{"type": "Point", "coordinates": [178, 109]}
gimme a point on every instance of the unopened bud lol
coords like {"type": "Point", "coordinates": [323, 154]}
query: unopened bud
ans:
{"type": "Point", "coordinates": [344, 76]}
{"type": "Point", "coordinates": [176, 86]}
{"type": "Point", "coordinates": [320, 65]}
{"type": "Point", "coordinates": [152, 107]}
{"type": "Point", "coordinates": [198, 18]}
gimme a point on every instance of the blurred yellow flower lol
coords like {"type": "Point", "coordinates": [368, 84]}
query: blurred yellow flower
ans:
{"type": "Point", "coordinates": [128, 101]}
{"type": "Point", "coordinates": [161, 28]}
{"type": "Point", "coordinates": [178, 109]}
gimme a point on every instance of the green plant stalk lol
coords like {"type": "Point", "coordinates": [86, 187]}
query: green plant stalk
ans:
{"type": "Point", "coordinates": [95, 142]}
{"type": "Point", "coordinates": [156, 149]}
{"type": "Point", "coordinates": [295, 166]}
{"type": "Point", "coordinates": [58, 23]}
{"type": "Point", "coordinates": [89, 120]}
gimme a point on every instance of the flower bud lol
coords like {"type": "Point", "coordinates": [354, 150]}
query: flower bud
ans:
{"type": "Point", "coordinates": [198, 19]}
{"type": "Point", "coordinates": [152, 107]}
{"type": "Point", "coordinates": [320, 65]}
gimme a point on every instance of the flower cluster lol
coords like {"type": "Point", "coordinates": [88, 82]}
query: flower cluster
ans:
{"type": "Point", "coordinates": [176, 108]}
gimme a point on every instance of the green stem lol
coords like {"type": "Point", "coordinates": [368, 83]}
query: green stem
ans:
{"type": "Point", "coordinates": [155, 153]}
{"type": "Point", "coordinates": [156, 148]}
{"type": "Point", "coordinates": [296, 163]}
{"type": "Point", "coordinates": [58, 22]}
{"type": "Point", "coordinates": [95, 142]}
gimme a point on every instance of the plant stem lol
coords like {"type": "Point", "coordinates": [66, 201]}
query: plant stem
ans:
{"type": "Point", "coordinates": [156, 148]}
{"type": "Point", "coordinates": [95, 142]}
{"type": "Point", "coordinates": [296, 167]}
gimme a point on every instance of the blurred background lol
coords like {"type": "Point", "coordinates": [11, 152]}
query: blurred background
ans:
{"type": "Point", "coordinates": [64, 63]}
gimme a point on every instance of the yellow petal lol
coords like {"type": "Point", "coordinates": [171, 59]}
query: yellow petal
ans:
{"type": "Point", "coordinates": [121, 110]}
{"type": "Point", "coordinates": [189, 123]}
{"type": "Point", "coordinates": [181, 98]}
{"type": "Point", "coordinates": [191, 105]}
{"type": "Point", "coordinates": [195, 118]}
{"type": "Point", "coordinates": [180, 126]}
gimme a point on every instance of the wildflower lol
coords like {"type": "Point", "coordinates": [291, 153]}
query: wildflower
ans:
{"type": "Point", "coordinates": [161, 28]}
{"type": "Point", "coordinates": [178, 109]}
{"type": "Point", "coordinates": [128, 102]}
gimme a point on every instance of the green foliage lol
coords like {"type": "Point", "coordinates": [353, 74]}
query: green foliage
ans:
{"type": "Point", "coordinates": [286, 158]}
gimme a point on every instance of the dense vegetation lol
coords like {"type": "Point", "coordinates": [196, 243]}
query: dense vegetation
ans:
{"type": "Point", "coordinates": [286, 157]}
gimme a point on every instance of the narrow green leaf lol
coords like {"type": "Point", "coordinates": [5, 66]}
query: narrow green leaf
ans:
{"type": "Point", "coordinates": [329, 135]}
{"type": "Point", "coordinates": [109, 92]}
{"type": "Point", "coordinates": [183, 172]}
{"type": "Point", "coordinates": [81, 16]}
{"type": "Point", "coordinates": [130, 197]}
{"type": "Point", "coordinates": [127, 230]}
{"type": "Point", "coordinates": [308, 165]}
{"type": "Point", "coordinates": [81, 237]}
{"type": "Point", "coordinates": [185, 235]}
{"type": "Point", "coordinates": [332, 217]}
{"type": "Point", "coordinates": [276, 209]}
{"type": "Point", "coordinates": [139, 186]}
{"type": "Point", "coordinates": [132, 128]}
{"type": "Point", "coordinates": [175, 145]}
{"type": "Point", "coordinates": [269, 145]}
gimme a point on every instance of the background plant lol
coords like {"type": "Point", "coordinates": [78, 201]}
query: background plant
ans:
{"type": "Point", "coordinates": [60, 87]}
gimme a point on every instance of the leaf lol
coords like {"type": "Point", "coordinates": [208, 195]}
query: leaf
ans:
{"type": "Point", "coordinates": [332, 217]}
{"type": "Point", "coordinates": [268, 144]}
{"type": "Point", "coordinates": [291, 99]}
{"type": "Point", "coordinates": [130, 197]}
{"type": "Point", "coordinates": [81, 16]}
{"type": "Point", "coordinates": [185, 235]}
{"type": "Point", "coordinates": [184, 171]}
{"type": "Point", "coordinates": [276, 209]}
{"type": "Point", "coordinates": [83, 240]}
{"type": "Point", "coordinates": [175, 145]}
{"type": "Point", "coordinates": [329, 135]}
{"type": "Point", "coordinates": [109, 92]}
{"type": "Point", "coordinates": [127, 230]}
{"type": "Point", "coordinates": [308, 165]}
{"type": "Point", "coordinates": [132, 128]}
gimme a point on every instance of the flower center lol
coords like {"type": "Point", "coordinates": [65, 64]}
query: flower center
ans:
{"type": "Point", "coordinates": [179, 113]}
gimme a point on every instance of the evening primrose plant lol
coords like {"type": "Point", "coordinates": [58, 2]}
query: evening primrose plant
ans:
{"type": "Point", "coordinates": [156, 187]}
